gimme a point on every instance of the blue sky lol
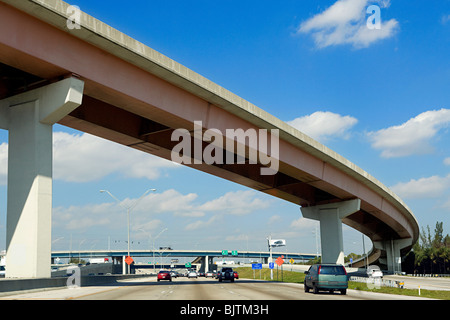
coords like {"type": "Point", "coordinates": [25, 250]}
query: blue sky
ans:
{"type": "Point", "coordinates": [380, 98]}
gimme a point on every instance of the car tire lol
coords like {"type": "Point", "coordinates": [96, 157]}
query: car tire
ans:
{"type": "Point", "coordinates": [315, 289]}
{"type": "Point", "coordinates": [306, 288]}
{"type": "Point", "coordinates": [344, 291]}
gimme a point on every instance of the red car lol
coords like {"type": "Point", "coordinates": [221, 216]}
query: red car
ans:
{"type": "Point", "coordinates": [164, 275]}
{"type": "Point", "coordinates": [236, 275]}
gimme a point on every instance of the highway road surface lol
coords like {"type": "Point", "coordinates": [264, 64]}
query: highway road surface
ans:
{"type": "Point", "coordinates": [196, 289]}
{"type": "Point", "coordinates": [428, 283]}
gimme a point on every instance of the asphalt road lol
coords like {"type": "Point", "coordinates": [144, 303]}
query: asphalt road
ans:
{"type": "Point", "coordinates": [197, 289]}
{"type": "Point", "coordinates": [431, 283]}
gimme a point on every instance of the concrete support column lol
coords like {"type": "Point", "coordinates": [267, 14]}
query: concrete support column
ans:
{"type": "Point", "coordinates": [124, 265]}
{"type": "Point", "coordinates": [330, 217]}
{"type": "Point", "coordinates": [206, 264]}
{"type": "Point", "coordinates": [393, 252]}
{"type": "Point", "coordinates": [29, 117]}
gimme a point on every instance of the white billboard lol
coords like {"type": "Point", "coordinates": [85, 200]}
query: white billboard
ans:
{"type": "Point", "coordinates": [277, 243]}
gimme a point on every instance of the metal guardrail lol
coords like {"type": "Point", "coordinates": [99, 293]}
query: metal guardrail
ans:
{"type": "Point", "coordinates": [378, 282]}
{"type": "Point", "coordinates": [437, 275]}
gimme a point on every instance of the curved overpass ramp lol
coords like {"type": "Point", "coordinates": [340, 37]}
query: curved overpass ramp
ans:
{"type": "Point", "coordinates": [137, 97]}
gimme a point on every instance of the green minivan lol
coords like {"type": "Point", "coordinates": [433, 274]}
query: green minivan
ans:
{"type": "Point", "coordinates": [329, 277]}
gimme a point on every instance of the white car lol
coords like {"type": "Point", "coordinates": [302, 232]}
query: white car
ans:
{"type": "Point", "coordinates": [374, 272]}
{"type": "Point", "coordinates": [192, 274]}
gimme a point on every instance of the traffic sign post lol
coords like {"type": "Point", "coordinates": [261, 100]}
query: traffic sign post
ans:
{"type": "Point", "coordinates": [129, 260]}
{"type": "Point", "coordinates": [257, 266]}
{"type": "Point", "coordinates": [279, 263]}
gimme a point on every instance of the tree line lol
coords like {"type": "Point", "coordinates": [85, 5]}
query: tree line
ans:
{"type": "Point", "coordinates": [430, 254]}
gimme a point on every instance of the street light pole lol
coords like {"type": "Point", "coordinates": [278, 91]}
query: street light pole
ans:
{"type": "Point", "coordinates": [153, 246]}
{"type": "Point", "coordinates": [128, 208]}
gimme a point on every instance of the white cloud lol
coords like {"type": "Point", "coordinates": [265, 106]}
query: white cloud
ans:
{"type": "Point", "coordinates": [274, 219]}
{"type": "Point", "coordinates": [237, 238]}
{"type": "Point", "coordinates": [446, 205]}
{"type": "Point", "coordinates": [323, 125]}
{"type": "Point", "coordinates": [447, 161]}
{"type": "Point", "coordinates": [236, 203]}
{"type": "Point", "coordinates": [88, 216]}
{"type": "Point", "coordinates": [169, 203]}
{"type": "Point", "coordinates": [413, 136]}
{"type": "Point", "coordinates": [86, 158]}
{"type": "Point", "coordinates": [445, 19]}
{"type": "Point", "coordinates": [431, 187]}
{"type": "Point", "coordinates": [345, 22]}
{"type": "Point", "coordinates": [201, 224]}
{"type": "Point", "coordinates": [304, 224]}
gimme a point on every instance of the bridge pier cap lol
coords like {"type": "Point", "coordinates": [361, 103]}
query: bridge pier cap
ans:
{"type": "Point", "coordinates": [29, 117]}
{"type": "Point", "coordinates": [330, 217]}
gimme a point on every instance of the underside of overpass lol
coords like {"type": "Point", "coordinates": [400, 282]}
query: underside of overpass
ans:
{"type": "Point", "coordinates": [130, 99]}
{"type": "Point", "coordinates": [104, 120]}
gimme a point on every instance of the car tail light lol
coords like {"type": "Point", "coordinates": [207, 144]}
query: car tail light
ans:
{"type": "Point", "coordinates": [319, 270]}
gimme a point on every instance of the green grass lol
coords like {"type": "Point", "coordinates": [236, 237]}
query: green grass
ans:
{"type": "Point", "coordinates": [433, 294]}
{"type": "Point", "coordinates": [287, 276]}
{"type": "Point", "coordinates": [299, 277]}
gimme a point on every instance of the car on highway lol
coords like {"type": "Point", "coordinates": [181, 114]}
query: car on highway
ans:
{"type": "Point", "coordinates": [209, 274]}
{"type": "Point", "coordinates": [374, 272]}
{"type": "Point", "coordinates": [226, 274]}
{"type": "Point", "coordinates": [2, 271]}
{"type": "Point", "coordinates": [236, 275]}
{"type": "Point", "coordinates": [164, 275]}
{"type": "Point", "coordinates": [192, 274]}
{"type": "Point", "coordinates": [174, 274]}
{"type": "Point", "coordinates": [326, 277]}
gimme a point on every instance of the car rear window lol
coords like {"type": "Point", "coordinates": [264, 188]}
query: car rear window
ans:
{"type": "Point", "coordinates": [339, 270]}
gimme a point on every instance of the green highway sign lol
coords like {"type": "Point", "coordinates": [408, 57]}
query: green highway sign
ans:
{"type": "Point", "coordinates": [234, 253]}
{"type": "Point", "coordinates": [224, 252]}
{"type": "Point", "coordinates": [188, 265]}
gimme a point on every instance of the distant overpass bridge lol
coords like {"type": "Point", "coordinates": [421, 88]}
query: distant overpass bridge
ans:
{"type": "Point", "coordinates": [202, 257]}
{"type": "Point", "coordinates": [96, 79]}
{"type": "Point", "coordinates": [179, 253]}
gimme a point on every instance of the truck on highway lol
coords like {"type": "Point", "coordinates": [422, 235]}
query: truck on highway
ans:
{"type": "Point", "coordinates": [98, 260]}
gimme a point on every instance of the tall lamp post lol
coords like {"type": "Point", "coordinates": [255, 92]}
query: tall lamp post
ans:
{"type": "Point", "coordinates": [128, 208]}
{"type": "Point", "coordinates": [153, 243]}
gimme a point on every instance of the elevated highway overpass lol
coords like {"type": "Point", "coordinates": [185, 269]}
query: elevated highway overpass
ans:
{"type": "Point", "coordinates": [202, 257]}
{"type": "Point", "coordinates": [180, 253]}
{"type": "Point", "coordinates": [96, 79]}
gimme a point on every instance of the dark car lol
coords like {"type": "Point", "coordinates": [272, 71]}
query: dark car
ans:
{"type": "Point", "coordinates": [327, 277]}
{"type": "Point", "coordinates": [164, 275]}
{"type": "Point", "coordinates": [226, 274]}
